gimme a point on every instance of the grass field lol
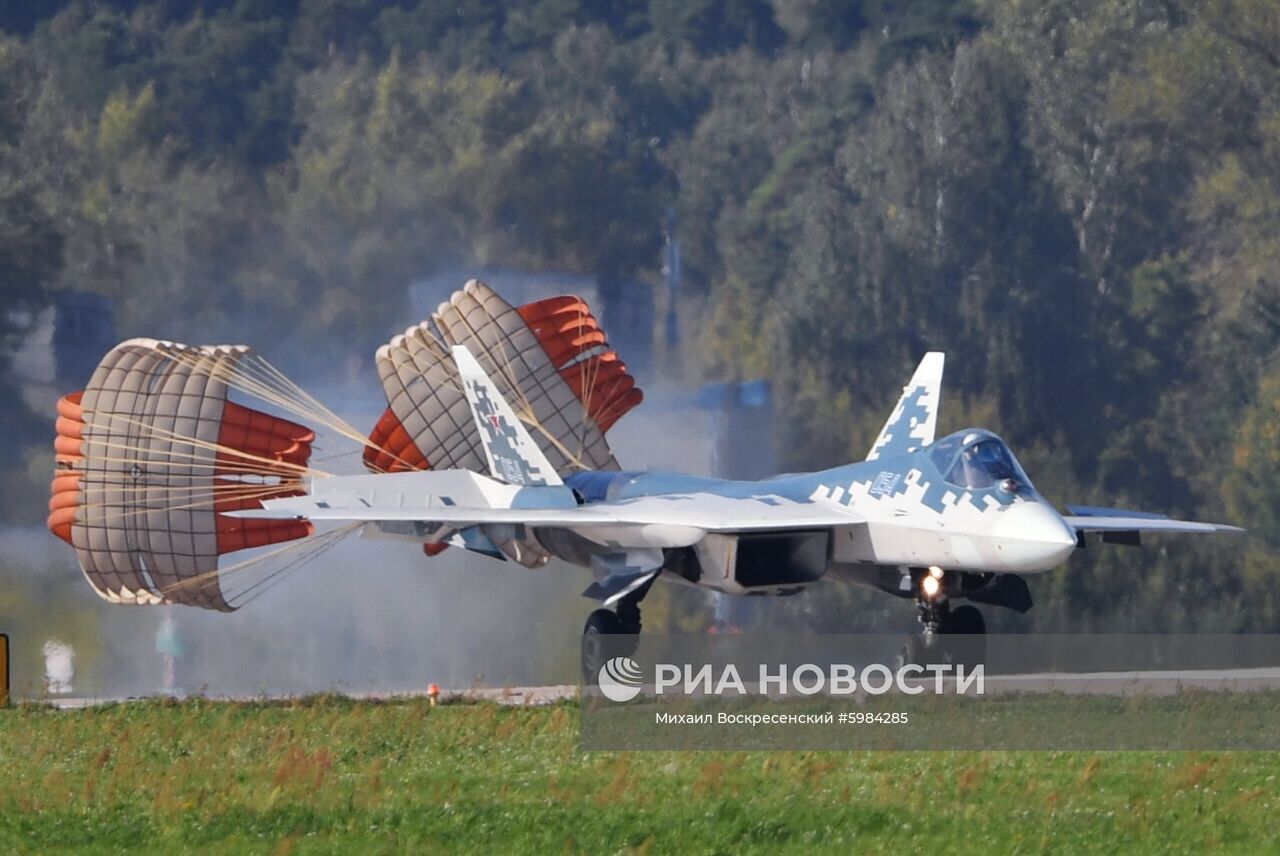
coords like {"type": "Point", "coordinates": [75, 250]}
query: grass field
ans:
{"type": "Point", "coordinates": [328, 775]}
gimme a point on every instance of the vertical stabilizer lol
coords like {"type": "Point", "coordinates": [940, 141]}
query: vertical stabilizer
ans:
{"type": "Point", "coordinates": [915, 419]}
{"type": "Point", "coordinates": [512, 455]}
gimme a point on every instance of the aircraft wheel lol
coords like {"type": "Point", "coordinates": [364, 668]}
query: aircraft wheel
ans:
{"type": "Point", "coordinates": [966, 620]}
{"type": "Point", "coordinates": [965, 636]}
{"type": "Point", "coordinates": [603, 638]}
{"type": "Point", "coordinates": [602, 622]}
{"type": "Point", "coordinates": [629, 616]}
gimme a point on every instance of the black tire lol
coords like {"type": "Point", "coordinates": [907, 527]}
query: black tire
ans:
{"type": "Point", "coordinates": [966, 620]}
{"type": "Point", "coordinates": [603, 638]}
{"type": "Point", "coordinates": [965, 636]}
{"type": "Point", "coordinates": [602, 621]}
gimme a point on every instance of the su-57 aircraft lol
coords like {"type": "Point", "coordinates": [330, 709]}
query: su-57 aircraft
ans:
{"type": "Point", "coordinates": [493, 442]}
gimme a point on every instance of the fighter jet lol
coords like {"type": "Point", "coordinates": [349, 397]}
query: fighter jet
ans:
{"type": "Point", "coordinates": [493, 442]}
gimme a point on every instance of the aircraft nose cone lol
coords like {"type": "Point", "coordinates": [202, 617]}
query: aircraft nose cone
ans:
{"type": "Point", "coordinates": [1034, 537]}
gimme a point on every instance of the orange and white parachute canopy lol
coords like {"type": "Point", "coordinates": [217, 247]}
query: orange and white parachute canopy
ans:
{"type": "Point", "coordinates": [550, 360]}
{"type": "Point", "coordinates": [150, 456]}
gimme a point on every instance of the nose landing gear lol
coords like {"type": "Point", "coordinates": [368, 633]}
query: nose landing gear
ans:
{"type": "Point", "coordinates": [948, 635]}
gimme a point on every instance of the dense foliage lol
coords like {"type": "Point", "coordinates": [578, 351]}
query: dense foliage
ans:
{"type": "Point", "coordinates": [1077, 201]}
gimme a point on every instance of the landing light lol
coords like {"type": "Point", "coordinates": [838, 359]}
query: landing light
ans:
{"type": "Point", "coordinates": [930, 585]}
{"type": "Point", "coordinates": [935, 572]}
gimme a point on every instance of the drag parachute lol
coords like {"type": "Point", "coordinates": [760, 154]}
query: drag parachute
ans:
{"type": "Point", "coordinates": [153, 456]}
{"type": "Point", "coordinates": [150, 456]}
{"type": "Point", "coordinates": [550, 360]}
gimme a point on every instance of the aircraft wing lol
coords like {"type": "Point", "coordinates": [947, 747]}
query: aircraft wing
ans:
{"type": "Point", "coordinates": [1085, 518]}
{"type": "Point", "coordinates": [686, 516]}
{"type": "Point", "coordinates": [1144, 524]}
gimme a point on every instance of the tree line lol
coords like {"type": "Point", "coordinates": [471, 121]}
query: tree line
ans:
{"type": "Point", "coordinates": [1077, 201]}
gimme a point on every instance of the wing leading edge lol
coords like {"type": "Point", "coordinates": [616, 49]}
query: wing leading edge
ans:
{"type": "Point", "coordinates": [1084, 518]}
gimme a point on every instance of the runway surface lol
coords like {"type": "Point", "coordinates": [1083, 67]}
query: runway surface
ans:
{"type": "Point", "coordinates": [1133, 683]}
{"type": "Point", "coordinates": [526, 696]}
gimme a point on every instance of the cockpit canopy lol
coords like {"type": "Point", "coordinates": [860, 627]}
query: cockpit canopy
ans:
{"type": "Point", "coordinates": [976, 460]}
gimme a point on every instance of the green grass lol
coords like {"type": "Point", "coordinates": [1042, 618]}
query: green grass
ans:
{"type": "Point", "coordinates": [1190, 719]}
{"type": "Point", "coordinates": [332, 775]}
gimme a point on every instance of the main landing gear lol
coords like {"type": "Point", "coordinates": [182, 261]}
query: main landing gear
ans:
{"type": "Point", "coordinates": [609, 633]}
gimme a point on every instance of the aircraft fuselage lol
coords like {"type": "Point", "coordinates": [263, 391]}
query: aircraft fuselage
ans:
{"type": "Point", "coordinates": [926, 508]}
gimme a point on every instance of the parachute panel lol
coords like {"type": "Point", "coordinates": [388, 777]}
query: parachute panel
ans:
{"type": "Point", "coordinates": [572, 338]}
{"type": "Point", "coordinates": [149, 456]}
{"type": "Point", "coordinates": [508, 351]}
{"type": "Point", "coordinates": [391, 449]}
{"type": "Point", "coordinates": [538, 355]}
